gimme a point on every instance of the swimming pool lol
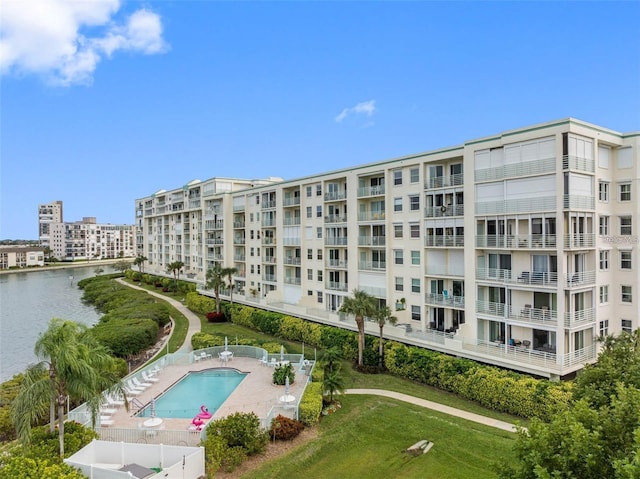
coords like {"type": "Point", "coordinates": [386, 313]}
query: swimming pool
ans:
{"type": "Point", "coordinates": [184, 398]}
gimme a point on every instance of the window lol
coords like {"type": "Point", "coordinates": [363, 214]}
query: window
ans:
{"type": "Point", "coordinates": [415, 230]}
{"type": "Point", "coordinates": [398, 256]}
{"type": "Point", "coordinates": [625, 225]}
{"type": "Point", "coordinates": [309, 292]}
{"type": "Point", "coordinates": [251, 234]}
{"type": "Point", "coordinates": [319, 254]}
{"type": "Point", "coordinates": [415, 313]}
{"type": "Point", "coordinates": [604, 260]}
{"type": "Point", "coordinates": [250, 216]}
{"type": "Point", "coordinates": [309, 192]}
{"type": "Point", "coordinates": [397, 177]}
{"type": "Point", "coordinates": [310, 274]}
{"type": "Point", "coordinates": [318, 190]}
{"type": "Point", "coordinates": [414, 175]}
{"type": "Point", "coordinates": [251, 251]}
{"type": "Point", "coordinates": [397, 204]}
{"type": "Point", "coordinates": [604, 294]}
{"type": "Point", "coordinates": [414, 203]}
{"type": "Point", "coordinates": [625, 191]}
{"type": "Point", "coordinates": [319, 296]}
{"type": "Point", "coordinates": [397, 231]}
{"type": "Point", "coordinates": [251, 269]}
{"type": "Point", "coordinates": [257, 199]}
{"type": "Point", "coordinates": [626, 325]}
{"type": "Point", "coordinates": [309, 253]}
{"type": "Point", "coordinates": [604, 328]}
{"type": "Point", "coordinates": [603, 191]}
{"type": "Point", "coordinates": [625, 259]}
{"type": "Point", "coordinates": [415, 257]}
{"type": "Point", "coordinates": [309, 212]}
{"type": "Point", "coordinates": [604, 225]}
{"type": "Point", "coordinates": [319, 232]}
{"type": "Point", "coordinates": [318, 211]}
{"type": "Point", "coordinates": [319, 275]}
{"type": "Point", "coordinates": [415, 285]}
{"type": "Point", "coordinates": [627, 294]}
{"type": "Point", "coordinates": [399, 283]}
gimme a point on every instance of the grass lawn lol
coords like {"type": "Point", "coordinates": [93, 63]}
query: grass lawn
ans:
{"type": "Point", "coordinates": [367, 437]}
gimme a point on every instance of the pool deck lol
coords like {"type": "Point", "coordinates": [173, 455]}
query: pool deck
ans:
{"type": "Point", "coordinates": [256, 393]}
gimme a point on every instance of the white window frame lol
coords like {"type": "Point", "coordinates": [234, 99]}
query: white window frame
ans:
{"type": "Point", "coordinates": [603, 191]}
{"type": "Point", "coordinates": [604, 294]}
{"type": "Point", "coordinates": [604, 260]}
{"type": "Point", "coordinates": [626, 258]}
{"type": "Point", "coordinates": [626, 293]}
{"type": "Point", "coordinates": [624, 191]}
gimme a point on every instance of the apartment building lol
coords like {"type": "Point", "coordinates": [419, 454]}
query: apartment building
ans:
{"type": "Point", "coordinates": [518, 249]}
{"type": "Point", "coordinates": [85, 239]}
{"type": "Point", "coordinates": [48, 214]}
{"type": "Point", "coordinates": [21, 256]}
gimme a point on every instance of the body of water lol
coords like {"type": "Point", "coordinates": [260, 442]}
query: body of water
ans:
{"type": "Point", "coordinates": [28, 301]}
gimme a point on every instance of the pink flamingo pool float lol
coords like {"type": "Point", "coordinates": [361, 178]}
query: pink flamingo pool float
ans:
{"type": "Point", "coordinates": [204, 413]}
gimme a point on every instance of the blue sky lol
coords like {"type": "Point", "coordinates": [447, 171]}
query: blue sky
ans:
{"type": "Point", "coordinates": [105, 102]}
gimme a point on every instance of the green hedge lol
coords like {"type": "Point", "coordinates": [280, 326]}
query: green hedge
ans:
{"type": "Point", "coordinates": [126, 337]}
{"type": "Point", "coordinates": [199, 303]}
{"type": "Point", "coordinates": [311, 404]}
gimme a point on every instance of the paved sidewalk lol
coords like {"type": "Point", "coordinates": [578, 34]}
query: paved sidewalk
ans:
{"type": "Point", "coordinates": [469, 416]}
{"type": "Point", "coordinates": [194, 321]}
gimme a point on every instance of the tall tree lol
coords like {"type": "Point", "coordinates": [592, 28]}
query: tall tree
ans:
{"type": "Point", "coordinates": [139, 262]}
{"type": "Point", "coordinates": [229, 272]}
{"type": "Point", "coordinates": [383, 315]}
{"type": "Point", "coordinates": [72, 364]}
{"type": "Point", "coordinates": [121, 266]}
{"type": "Point", "coordinates": [361, 305]}
{"type": "Point", "coordinates": [175, 268]}
{"type": "Point", "coordinates": [215, 280]}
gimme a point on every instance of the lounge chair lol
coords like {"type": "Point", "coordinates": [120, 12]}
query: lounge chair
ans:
{"type": "Point", "coordinates": [148, 378]}
{"type": "Point", "coordinates": [132, 392]}
{"type": "Point", "coordinates": [106, 421]}
{"type": "Point", "coordinates": [140, 384]}
{"type": "Point", "coordinates": [107, 411]}
{"type": "Point", "coordinates": [113, 401]}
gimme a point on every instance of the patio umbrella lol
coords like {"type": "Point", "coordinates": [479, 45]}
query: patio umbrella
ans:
{"type": "Point", "coordinates": [226, 343]}
{"type": "Point", "coordinates": [287, 398]}
{"type": "Point", "coordinates": [282, 353]}
{"type": "Point", "coordinates": [153, 407]}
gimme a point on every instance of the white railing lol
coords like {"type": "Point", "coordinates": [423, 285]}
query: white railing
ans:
{"type": "Point", "coordinates": [516, 241]}
{"type": "Point", "coordinates": [371, 191]}
{"type": "Point", "coordinates": [291, 241]}
{"type": "Point", "coordinates": [580, 279]}
{"type": "Point", "coordinates": [292, 280]}
{"type": "Point", "coordinates": [292, 220]}
{"type": "Point", "coordinates": [443, 211]}
{"type": "Point", "coordinates": [526, 168]}
{"type": "Point", "coordinates": [239, 224]}
{"type": "Point", "coordinates": [371, 240]}
{"type": "Point", "coordinates": [337, 286]}
{"type": "Point", "coordinates": [336, 263]}
{"type": "Point", "coordinates": [372, 265]}
{"type": "Point", "coordinates": [579, 318]}
{"type": "Point", "coordinates": [442, 181]}
{"type": "Point", "coordinates": [578, 164]}
{"type": "Point", "coordinates": [371, 216]}
{"type": "Point", "coordinates": [444, 240]}
{"type": "Point", "coordinates": [579, 202]}
{"type": "Point", "coordinates": [491, 308]}
{"type": "Point", "coordinates": [335, 241]}
{"type": "Point", "coordinates": [268, 204]}
{"type": "Point", "coordinates": [521, 205]}
{"type": "Point", "coordinates": [291, 201]}
{"type": "Point", "coordinates": [292, 261]}
{"type": "Point", "coordinates": [335, 195]}
{"type": "Point", "coordinates": [272, 278]}
{"type": "Point", "coordinates": [335, 219]}
{"type": "Point", "coordinates": [444, 300]}
{"type": "Point", "coordinates": [580, 240]}
{"type": "Point", "coordinates": [375, 291]}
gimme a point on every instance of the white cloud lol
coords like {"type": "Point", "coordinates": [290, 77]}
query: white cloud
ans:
{"type": "Point", "coordinates": [367, 108]}
{"type": "Point", "coordinates": [51, 37]}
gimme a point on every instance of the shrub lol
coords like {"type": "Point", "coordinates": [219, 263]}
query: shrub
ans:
{"type": "Point", "coordinates": [240, 430]}
{"type": "Point", "coordinates": [311, 404]}
{"type": "Point", "coordinates": [214, 317]}
{"type": "Point", "coordinates": [281, 373]}
{"type": "Point", "coordinates": [126, 337]}
{"type": "Point", "coordinates": [202, 340]}
{"type": "Point", "coordinates": [284, 428]}
{"type": "Point", "coordinates": [199, 303]}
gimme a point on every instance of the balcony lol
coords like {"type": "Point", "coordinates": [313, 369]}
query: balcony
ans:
{"type": "Point", "coordinates": [239, 240]}
{"type": "Point", "coordinates": [335, 196]}
{"type": "Point", "coordinates": [337, 286]}
{"type": "Point", "coordinates": [267, 240]}
{"type": "Point", "coordinates": [335, 219]}
{"type": "Point", "coordinates": [266, 205]}
{"type": "Point", "coordinates": [443, 211]}
{"type": "Point", "coordinates": [214, 241]}
{"type": "Point", "coordinates": [271, 278]}
{"type": "Point", "coordinates": [293, 241]}
{"type": "Point", "coordinates": [368, 191]}
{"type": "Point", "coordinates": [444, 181]}
{"type": "Point", "coordinates": [444, 241]}
{"type": "Point", "coordinates": [581, 279]}
{"type": "Point", "coordinates": [372, 265]}
{"type": "Point", "coordinates": [268, 222]}
{"type": "Point", "coordinates": [338, 241]}
{"type": "Point", "coordinates": [240, 207]}
{"type": "Point", "coordinates": [583, 317]}
{"type": "Point", "coordinates": [336, 263]}
{"type": "Point", "coordinates": [536, 241]}
{"type": "Point", "coordinates": [580, 241]}
{"type": "Point", "coordinates": [521, 205]}
{"type": "Point", "coordinates": [371, 216]}
{"type": "Point", "coordinates": [292, 261]}
{"type": "Point", "coordinates": [292, 221]}
{"type": "Point", "coordinates": [524, 313]}
{"type": "Point", "coordinates": [371, 240]}
{"type": "Point", "coordinates": [578, 202]}
{"type": "Point", "coordinates": [527, 168]}
{"type": "Point", "coordinates": [444, 299]}
{"type": "Point", "coordinates": [291, 201]}
{"type": "Point", "coordinates": [292, 280]}
{"type": "Point", "coordinates": [576, 163]}
{"type": "Point", "coordinates": [527, 278]}
{"type": "Point", "coordinates": [215, 257]}
{"type": "Point", "coordinates": [269, 259]}
{"type": "Point", "coordinates": [239, 257]}
{"type": "Point", "coordinates": [239, 224]}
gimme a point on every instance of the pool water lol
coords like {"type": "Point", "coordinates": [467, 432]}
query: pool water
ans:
{"type": "Point", "coordinates": [184, 398]}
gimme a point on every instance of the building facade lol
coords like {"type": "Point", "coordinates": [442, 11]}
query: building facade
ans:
{"type": "Point", "coordinates": [518, 249]}
{"type": "Point", "coordinates": [47, 215]}
{"type": "Point", "coordinates": [21, 256]}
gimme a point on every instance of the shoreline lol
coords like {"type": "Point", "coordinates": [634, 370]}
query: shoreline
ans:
{"type": "Point", "coordinates": [63, 265]}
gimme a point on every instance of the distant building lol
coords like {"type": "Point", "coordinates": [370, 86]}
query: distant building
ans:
{"type": "Point", "coordinates": [84, 239]}
{"type": "Point", "coordinates": [21, 256]}
{"type": "Point", "coordinates": [520, 249]}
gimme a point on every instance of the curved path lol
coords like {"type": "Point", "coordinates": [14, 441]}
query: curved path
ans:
{"type": "Point", "coordinates": [469, 416]}
{"type": "Point", "coordinates": [194, 320]}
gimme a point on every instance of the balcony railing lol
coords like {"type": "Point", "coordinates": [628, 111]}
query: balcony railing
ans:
{"type": "Point", "coordinates": [294, 241]}
{"type": "Point", "coordinates": [339, 241]}
{"type": "Point", "coordinates": [215, 257]}
{"type": "Point", "coordinates": [371, 191]}
{"type": "Point", "coordinates": [268, 204]}
{"type": "Point", "coordinates": [521, 205]}
{"type": "Point", "coordinates": [443, 211]}
{"type": "Point", "coordinates": [580, 240]}
{"type": "Point", "coordinates": [371, 216]}
{"type": "Point", "coordinates": [516, 241]}
{"type": "Point", "coordinates": [444, 240]}
{"type": "Point", "coordinates": [291, 201]}
{"type": "Point", "coordinates": [523, 313]}
{"type": "Point", "coordinates": [372, 265]}
{"type": "Point", "coordinates": [292, 261]}
{"type": "Point", "coordinates": [442, 181]}
{"type": "Point", "coordinates": [292, 221]}
{"type": "Point", "coordinates": [371, 240]}
{"type": "Point", "coordinates": [272, 278]}
{"type": "Point", "coordinates": [266, 240]}
{"type": "Point", "coordinates": [239, 241]}
{"type": "Point", "coordinates": [292, 280]}
{"type": "Point", "coordinates": [507, 276]}
{"type": "Point", "coordinates": [336, 263]}
{"type": "Point", "coordinates": [269, 259]}
{"type": "Point", "coordinates": [536, 167]}
{"type": "Point", "coordinates": [579, 202]}
{"type": "Point", "coordinates": [239, 257]}
{"type": "Point", "coordinates": [238, 207]}
{"type": "Point", "coordinates": [337, 286]}
{"type": "Point", "coordinates": [335, 196]}
{"type": "Point", "coordinates": [444, 300]}
{"type": "Point", "coordinates": [335, 219]}
{"type": "Point", "coordinates": [268, 221]}
{"type": "Point", "coordinates": [214, 241]}
{"type": "Point", "coordinates": [239, 224]}
{"type": "Point", "coordinates": [579, 318]}
{"type": "Point", "coordinates": [577, 163]}
{"type": "Point", "coordinates": [580, 279]}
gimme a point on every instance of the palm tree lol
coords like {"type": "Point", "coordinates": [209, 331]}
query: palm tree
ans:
{"type": "Point", "coordinates": [229, 272]}
{"type": "Point", "coordinates": [383, 315]}
{"type": "Point", "coordinates": [361, 305]}
{"type": "Point", "coordinates": [216, 280]}
{"type": "Point", "coordinates": [331, 359]}
{"type": "Point", "coordinates": [333, 383]}
{"type": "Point", "coordinates": [73, 364]}
{"type": "Point", "coordinates": [139, 262]}
{"type": "Point", "coordinates": [175, 268]}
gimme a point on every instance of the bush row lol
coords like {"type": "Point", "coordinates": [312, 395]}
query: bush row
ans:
{"type": "Point", "coordinates": [494, 388]}
{"type": "Point", "coordinates": [199, 303]}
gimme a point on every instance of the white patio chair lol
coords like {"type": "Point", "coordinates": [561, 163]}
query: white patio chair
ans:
{"type": "Point", "coordinates": [140, 384]}
{"type": "Point", "coordinates": [148, 378]}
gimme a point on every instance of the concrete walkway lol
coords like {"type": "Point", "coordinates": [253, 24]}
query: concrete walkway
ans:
{"type": "Point", "coordinates": [469, 416]}
{"type": "Point", "coordinates": [194, 320]}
